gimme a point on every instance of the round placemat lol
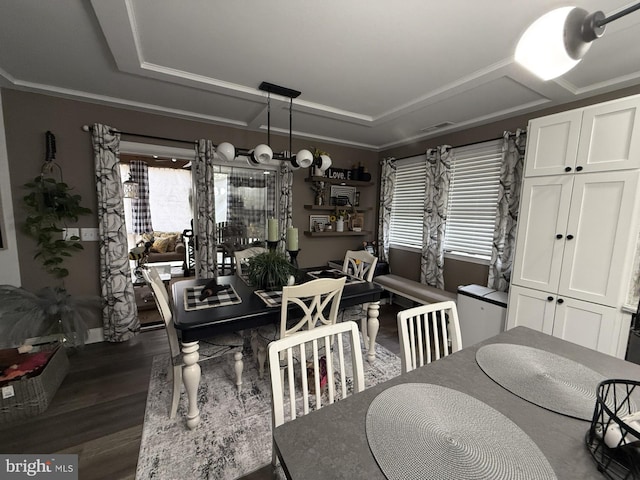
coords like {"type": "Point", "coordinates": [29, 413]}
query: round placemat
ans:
{"type": "Point", "coordinates": [423, 431]}
{"type": "Point", "coordinates": [543, 378]}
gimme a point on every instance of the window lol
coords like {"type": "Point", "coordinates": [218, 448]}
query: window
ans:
{"type": "Point", "coordinates": [408, 203]}
{"type": "Point", "coordinates": [473, 199]}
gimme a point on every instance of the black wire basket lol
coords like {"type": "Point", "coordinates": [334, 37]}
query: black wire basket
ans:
{"type": "Point", "coordinates": [612, 441]}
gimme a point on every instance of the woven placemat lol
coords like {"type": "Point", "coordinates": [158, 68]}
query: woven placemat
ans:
{"type": "Point", "coordinates": [420, 431]}
{"type": "Point", "coordinates": [228, 296]}
{"type": "Point", "coordinates": [542, 378]}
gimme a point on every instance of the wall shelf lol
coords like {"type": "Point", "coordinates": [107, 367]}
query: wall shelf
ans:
{"type": "Point", "coordinates": [339, 181]}
{"type": "Point", "coordinates": [328, 208]}
{"type": "Point", "coordinates": [337, 234]}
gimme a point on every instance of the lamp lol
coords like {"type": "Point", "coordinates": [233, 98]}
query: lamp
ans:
{"type": "Point", "coordinates": [130, 188]}
{"type": "Point", "coordinates": [557, 41]}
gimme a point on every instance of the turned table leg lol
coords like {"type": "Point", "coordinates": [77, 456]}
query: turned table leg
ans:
{"type": "Point", "coordinates": [191, 380]}
{"type": "Point", "coordinates": [373, 325]}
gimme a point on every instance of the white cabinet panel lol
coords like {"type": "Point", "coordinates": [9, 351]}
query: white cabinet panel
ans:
{"type": "Point", "coordinates": [610, 137]}
{"type": "Point", "coordinates": [587, 324]}
{"type": "Point", "coordinates": [552, 145]}
{"type": "Point", "coordinates": [530, 308]}
{"type": "Point", "coordinates": [544, 210]}
{"type": "Point", "coordinates": [598, 235]}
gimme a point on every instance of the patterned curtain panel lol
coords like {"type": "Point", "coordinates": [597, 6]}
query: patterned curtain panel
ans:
{"type": "Point", "coordinates": [205, 211]}
{"type": "Point", "coordinates": [504, 235]}
{"type": "Point", "coordinates": [387, 187]}
{"type": "Point", "coordinates": [435, 215]}
{"type": "Point", "coordinates": [140, 209]}
{"type": "Point", "coordinates": [286, 203]}
{"type": "Point", "coordinates": [119, 314]}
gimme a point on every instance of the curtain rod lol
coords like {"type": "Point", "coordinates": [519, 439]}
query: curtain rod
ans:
{"type": "Point", "coordinates": [460, 146]}
{"type": "Point", "coordinates": [86, 128]}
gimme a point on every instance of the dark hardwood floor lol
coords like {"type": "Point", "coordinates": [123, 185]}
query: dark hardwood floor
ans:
{"type": "Point", "coordinates": [99, 409]}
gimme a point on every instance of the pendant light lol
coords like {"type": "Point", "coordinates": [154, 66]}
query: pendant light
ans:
{"type": "Point", "coordinates": [557, 41]}
{"type": "Point", "coordinates": [130, 188]}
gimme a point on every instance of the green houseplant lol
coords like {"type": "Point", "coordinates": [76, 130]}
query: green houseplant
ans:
{"type": "Point", "coordinates": [50, 204]}
{"type": "Point", "coordinates": [269, 270]}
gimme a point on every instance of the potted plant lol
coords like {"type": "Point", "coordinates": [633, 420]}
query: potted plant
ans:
{"type": "Point", "coordinates": [269, 270]}
{"type": "Point", "coordinates": [52, 310]}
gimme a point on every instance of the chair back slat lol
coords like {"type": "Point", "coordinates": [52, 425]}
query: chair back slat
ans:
{"type": "Point", "coordinates": [428, 333]}
{"type": "Point", "coordinates": [161, 297]}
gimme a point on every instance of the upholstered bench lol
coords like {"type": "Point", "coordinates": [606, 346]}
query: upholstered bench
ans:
{"type": "Point", "coordinates": [416, 291]}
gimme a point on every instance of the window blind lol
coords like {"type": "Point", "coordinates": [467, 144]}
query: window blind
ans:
{"type": "Point", "coordinates": [473, 198]}
{"type": "Point", "coordinates": [408, 203]}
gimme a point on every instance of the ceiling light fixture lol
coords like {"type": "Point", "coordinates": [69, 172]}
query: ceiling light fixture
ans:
{"type": "Point", "coordinates": [557, 41]}
{"type": "Point", "coordinates": [263, 153]}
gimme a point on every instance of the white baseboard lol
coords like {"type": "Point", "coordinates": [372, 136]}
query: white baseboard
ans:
{"type": "Point", "coordinates": [96, 335]}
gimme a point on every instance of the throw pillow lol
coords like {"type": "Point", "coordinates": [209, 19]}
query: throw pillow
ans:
{"type": "Point", "coordinates": [160, 245]}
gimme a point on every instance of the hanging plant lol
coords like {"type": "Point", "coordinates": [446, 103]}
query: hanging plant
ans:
{"type": "Point", "coordinates": [50, 206]}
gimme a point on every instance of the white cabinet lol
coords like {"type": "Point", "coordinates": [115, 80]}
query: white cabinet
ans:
{"type": "Point", "coordinates": [599, 138]}
{"type": "Point", "coordinates": [578, 225]}
{"type": "Point", "coordinates": [574, 234]}
{"type": "Point", "coordinates": [587, 324]}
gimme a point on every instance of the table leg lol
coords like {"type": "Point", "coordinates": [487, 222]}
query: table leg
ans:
{"type": "Point", "coordinates": [373, 324]}
{"type": "Point", "coordinates": [191, 380]}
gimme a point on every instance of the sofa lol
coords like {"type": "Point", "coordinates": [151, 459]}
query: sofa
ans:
{"type": "Point", "coordinates": [164, 246]}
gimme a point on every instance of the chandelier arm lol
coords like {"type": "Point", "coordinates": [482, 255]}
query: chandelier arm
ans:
{"type": "Point", "coordinates": [618, 15]}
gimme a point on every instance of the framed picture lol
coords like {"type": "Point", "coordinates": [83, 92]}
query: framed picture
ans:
{"type": "Point", "coordinates": [342, 195]}
{"type": "Point", "coordinates": [357, 222]}
{"type": "Point", "coordinates": [317, 222]}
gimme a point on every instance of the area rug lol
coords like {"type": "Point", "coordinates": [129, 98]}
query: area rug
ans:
{"type": "Point", "coordinates": [234, 435]}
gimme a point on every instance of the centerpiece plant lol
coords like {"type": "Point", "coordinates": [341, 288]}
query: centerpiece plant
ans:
{"type": "Point", "coordinates": [270, 270]}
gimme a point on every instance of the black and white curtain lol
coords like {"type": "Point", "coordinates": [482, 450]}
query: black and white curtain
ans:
{"type": "Point", "coordinates": [140, 209]}
{"type": "Point", "coordinates": [504, 235]}
{"type": "Point", "coordinates": [438, 179]}
{"type": "Point", "coordinates": [387, 187]}
{"type": "Point", "coordinates": [119, 313]}
{"type": "Point", "coordinates": [205, 211]}
{"type": "Point", "coordinates": [285, 213]}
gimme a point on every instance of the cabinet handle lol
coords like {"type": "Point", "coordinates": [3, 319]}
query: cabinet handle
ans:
{"type": "Point", "coordinates": [559, 236]}
{"type": "Point", "coordinates": [567, 169]}
{"type": "Point", "coordinates": [578, 168]}
{"type": "Point", "coordinates": [560, 300]}
{"type": "Point", "coordinates": [549, 298]}
{"type": "Point", "coordinates": [569, 237]}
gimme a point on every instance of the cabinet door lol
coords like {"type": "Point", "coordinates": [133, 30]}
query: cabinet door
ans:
{"type": "Point", "coordinates": [610, 136]}
{"type": "Point", "coordinates": [597, 236]}
{"type": "Point", "coordinates": [530, 308]}
{"type": "Point", "coordinates": [544, 211]}
{"type": "Point", "coordinates": [552, 144]}
{"type": "Point", "coordinates": [587, 324]}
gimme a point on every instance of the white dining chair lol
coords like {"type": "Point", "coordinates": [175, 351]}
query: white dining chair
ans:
{"type": "Point", "coordinates": [300, 359]}
{"type": "Point", "coordinates": [428, 333]}
{"type": "Point", "coordinates": [360, 263]}
{"type": "Point", "coordinates": [242, 257]}
{"type": "Point", "coordinates": [231, 343]}
{"type": "Point", "coordinates": [317, 301]}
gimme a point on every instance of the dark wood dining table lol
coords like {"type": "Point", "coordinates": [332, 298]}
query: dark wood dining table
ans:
{"type": "Point", "coordinates": [332, 442]}
{"type": "Point", "coordinates": [252, 312]}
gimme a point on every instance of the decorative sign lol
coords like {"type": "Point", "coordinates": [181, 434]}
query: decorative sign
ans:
{"type": "Point", "coordinates": [339, 173]}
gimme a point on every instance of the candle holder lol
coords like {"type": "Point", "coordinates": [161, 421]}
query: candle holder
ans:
{"type": "Point", "coordinates": [272, 244]}
{"type": "Point", "coordinates": [293, 254]}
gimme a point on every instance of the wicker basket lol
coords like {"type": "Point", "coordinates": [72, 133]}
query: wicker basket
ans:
{"type": "Point", "coordinates": [32, 395]}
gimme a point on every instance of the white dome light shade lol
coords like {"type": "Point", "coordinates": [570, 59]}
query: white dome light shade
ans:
{"type": "Point", "coordinates": [262, 154]}
{"type": "Point", "coordinates": [325, 162]}
{"type": "Point", "coordinates": [304, 158]}
{"type": "Point", "coordinates": [226, 151]}
{"type": "Point", "coordinates": [541, 49]}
